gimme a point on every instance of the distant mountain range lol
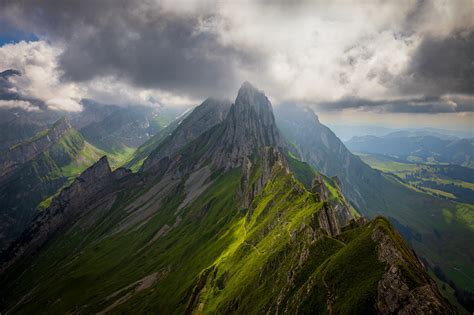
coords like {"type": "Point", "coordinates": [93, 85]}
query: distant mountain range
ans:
{"type": "Point", "coordinates": [347, 131]}
{"type": "Point", "coordinates": [412, 147]}
{"type": "Point", "coordinates": [221, 217]}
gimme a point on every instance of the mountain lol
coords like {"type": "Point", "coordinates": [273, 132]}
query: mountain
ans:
{"type": "Point", "coordinates": [42, 150]}
{"type": "Point", "coordinates": [35, 169]}
{"type": "Point", "coordinates": [112, 128]}
{"type": "Point", "coordinates": [32, 171]}
{"type": "Point", "coordinates": [18, 125]}
{"type": "Point", "coordinates": [222, 225]}
{"type": "Point", "coordinates": [415, 148]}
{"type": "Point", "coordinates": [410, 133]}
{"type": "Point", "coordinates": [26, 151]}
{"type": "Point", "coordinates": [203, 118]}
{"type": "Point", "coordinates": [119, 128]}
{"type": "Point", "coordinates": [347, 131]}
{"type": "Point", "coordinates": [431, 225]}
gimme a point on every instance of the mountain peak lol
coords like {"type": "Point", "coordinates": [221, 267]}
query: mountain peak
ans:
{"type": "Point", "coordinates": [98, 170]}
{"type": "Point", "coordinates": [249, 95]}
{"type": "Point", "coordinates": [249, 125]}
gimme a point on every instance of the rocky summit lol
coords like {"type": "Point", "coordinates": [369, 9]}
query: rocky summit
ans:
{"type": "Point", "coordinates": [222, 218]}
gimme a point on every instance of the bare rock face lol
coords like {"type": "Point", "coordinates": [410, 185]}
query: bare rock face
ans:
{"type": "Point", "coordinates": [204, 117]}
{"type": "Point", "coordinates": [247, 135]}
{"type": "Point", "coordinates": [335, 213]}
{"type": "Point", "coordinates": [27, 151]}
{"type": "Point", "coordinates": [397, 293]}
{"type": "Point", "coordinates": [328, 221]}
{"type": "Point", "coordinates": [93, 184]}
{"type": "Point", "coordinates": [249, 125]}
{"type": "Point", "coordinates": [270, 158]}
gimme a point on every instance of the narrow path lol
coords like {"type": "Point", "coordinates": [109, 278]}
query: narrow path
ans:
{"type": "Point", "coordinates": [248, 244]}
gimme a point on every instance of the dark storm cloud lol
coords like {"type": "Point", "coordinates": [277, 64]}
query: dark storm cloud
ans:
{"type": "Point", "coordinates": [424, 105]}
{"type": "Point", "coordinates": [441, 65]}
{"type": "Point", "coordinates": [141, 43]}
{"type": "Point", "coordinates": [177, 46]}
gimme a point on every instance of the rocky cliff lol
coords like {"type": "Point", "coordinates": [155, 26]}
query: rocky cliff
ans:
{"type": "Point", "coordinates": [30, 149]}
{"type": "Point", "coordinates": [203, 118]}
{"type": "Point", "coordinates": [249, 125]}
{"type": "Point", "coordinates": [405, 287]}
{"type": "Point", "coordinates": [91, 186]}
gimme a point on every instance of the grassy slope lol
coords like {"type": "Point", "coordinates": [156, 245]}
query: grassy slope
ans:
{"type": "Point", "coordinates": [37, 181]}
{"type": "Point", "coordinates": [440, 240]}
{"type": "Point", "coordinates": [420, 175]}
{"type": "Point", "coordinates": [436, 228]}
{"type": "Point", "coordinates": [70, 157]}
{"type": "Point", "coordinates": [217, 259]}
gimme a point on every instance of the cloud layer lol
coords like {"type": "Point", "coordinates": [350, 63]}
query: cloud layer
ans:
{"type": "Point", "coordinates": [400, 56]}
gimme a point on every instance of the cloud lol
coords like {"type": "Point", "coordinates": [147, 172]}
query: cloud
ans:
{"type": "Point", "coordinates": [316, 52]}
{"type": "Point", "coordinates": [441, 65]}
{"type": "Point", "coordinates": [25, 105]}
{"type": "Point", "coordinates": [38, 79]}
{"type": "Point", "coordinates": [144, 43]}
{"type": "Point", "coordinates": [453, 103]}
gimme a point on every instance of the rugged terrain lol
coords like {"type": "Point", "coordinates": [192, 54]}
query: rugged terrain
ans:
{"type": "Point", "coordinates": [225, 223]}
{"type": "Point", "coordinates": [43, 150]}
{"type": "Point", "coordinates": [436, 228]}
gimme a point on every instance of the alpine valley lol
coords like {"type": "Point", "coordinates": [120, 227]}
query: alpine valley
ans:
{"type": "Point", "coordinates": [224, 210]}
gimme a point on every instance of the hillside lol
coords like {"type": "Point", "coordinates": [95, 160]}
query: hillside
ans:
{"type": "Point", "coordinates": [180, 132]}
{"type": "Point", "coordinates": [437, 229]}
{"type": "Point", "coordinates": [34, 170]}
{"type": "Point", "coordinates": [444, 181]}
{"type": "Point", "coordinates": [220, 226]}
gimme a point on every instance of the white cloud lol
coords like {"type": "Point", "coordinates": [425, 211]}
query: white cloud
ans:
{"type": "Point", "coordinates": [25, 105]}
{"type": "Point", "coordinates": [40, 79]}
{"type": "Point", "coordinates": [40, 76]}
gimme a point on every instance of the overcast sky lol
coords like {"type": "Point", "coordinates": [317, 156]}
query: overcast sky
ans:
{"type": "Point", "coordinates": [399, 62]}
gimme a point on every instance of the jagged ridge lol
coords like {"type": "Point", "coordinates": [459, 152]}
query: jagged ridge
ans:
{"type": "Point", "coordinates": [214, 228]}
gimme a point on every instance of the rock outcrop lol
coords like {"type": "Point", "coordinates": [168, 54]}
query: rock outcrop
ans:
{"type": "Point", "coordinates": [249, 125]}
{"type": "Point", "coordinates": [269, 158]}
{"type": "Point", "coordinates": [405, 287]}
{"type": "Point", "coordinates": [92, 185]}
{"type": "Point", "coordinates": [30, 149]}
{"type": "Point", "coordinates": [336, 211]}
{"type": "Point", "coordinates": [204, 117]}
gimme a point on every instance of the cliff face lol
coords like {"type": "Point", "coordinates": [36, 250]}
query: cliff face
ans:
{"type": "Point", "coordinates": [28, 150]}
{"type": "Point", "coordinates": [249, 125]}
{"type": "Point", "coordinates": [91, 186]}
{"type": "Point", "coordinates": [405, 287]}
{"type": "Point", "coordinates": [269, 158]}
{"type": "Point", "coordinates": [203, 118]}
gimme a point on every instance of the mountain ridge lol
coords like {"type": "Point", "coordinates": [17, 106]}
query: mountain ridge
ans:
{"type": "Point", "coordinates": [214, 228]}
{"type": "Point", "coordinates": [415, 214]}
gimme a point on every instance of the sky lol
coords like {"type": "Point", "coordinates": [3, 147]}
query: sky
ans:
{"type": "Point", "coordinates": [395, 63]}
